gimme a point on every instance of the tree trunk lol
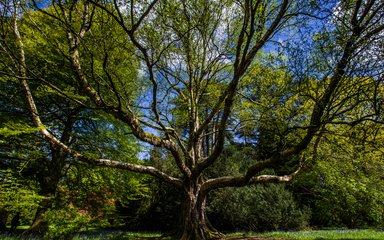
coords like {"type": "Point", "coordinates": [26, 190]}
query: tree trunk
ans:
{"type": "Point", "coordinates": [194, 224]}
{"type": "Point", "coordinates": [48, 183]}
{"type": "Point", "coordinates": [40, 222]}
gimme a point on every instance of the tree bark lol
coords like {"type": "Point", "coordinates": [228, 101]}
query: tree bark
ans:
{"type": "Point", "coordinates": [40, 222]}
{"type": "Point", "coordinates": [48, 182]}
{"type": "Point", "coordinates": [49, 186]}
{"type": "Point", "coordinates": [193, 223]}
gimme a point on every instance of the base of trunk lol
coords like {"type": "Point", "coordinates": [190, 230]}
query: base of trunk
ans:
{"type": "Point", "coordinates": [197, 227]}
{"type": "Point", "coordinates": [38, 227]}
{"type": "Point", "coordinates": [199, 234]}
{"type": "Point", "coordinates": [40, 224]}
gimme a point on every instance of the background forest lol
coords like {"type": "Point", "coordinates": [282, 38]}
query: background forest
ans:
{"type": "Point", "coordinates": [212, 116]}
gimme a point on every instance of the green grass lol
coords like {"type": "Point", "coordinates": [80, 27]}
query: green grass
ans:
{"type": "Point", "coordinates": [300, 235]}
{"type": "Point", "coordinates": [320, 235]}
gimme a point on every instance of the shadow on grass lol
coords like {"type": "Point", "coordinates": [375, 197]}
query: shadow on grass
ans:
{"type": "Point", "coordinates": [116, 234]}
{"type": "Point", "coordinates": [17, 234]}
{"type": "Point", "coordinates": [125, 237]}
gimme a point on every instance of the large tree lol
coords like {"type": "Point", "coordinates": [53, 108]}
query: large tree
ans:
{"type": "Point", "coordinates": [194, 57]}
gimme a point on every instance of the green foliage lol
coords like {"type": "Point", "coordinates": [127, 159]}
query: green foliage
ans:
{"type": "Point", "coordinates": [270, 106]}
{"type": "Point", "coordinates": [345, 183]}
{"type": "Point", "coordinates": [269, 207]}
{"type": "Point", "coordinates": [103, 192]}
{"type": "Point", "coordinates": [17, 196]}
{"type": "Point", "coordinates": [105, 52]}
{"type": "Point", "coordinates": [64, 223]}
{"type": "Point", "coordinates": [12, 129]}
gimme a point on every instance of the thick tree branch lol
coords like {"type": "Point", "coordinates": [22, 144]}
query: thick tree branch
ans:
{"type": "Point", "coordinates": [242, 181]}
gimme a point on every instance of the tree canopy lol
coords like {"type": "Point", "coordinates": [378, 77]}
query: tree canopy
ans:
{"type": "Point", "coordinates": [189, 77]}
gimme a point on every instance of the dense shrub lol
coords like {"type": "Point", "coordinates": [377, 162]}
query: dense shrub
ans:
{"type": "Point", "coordinates": [64, 223]}
{"type": "Point", "coordinates": [353, 204]}
{"type": "Point", "coordinates": [256, 208]}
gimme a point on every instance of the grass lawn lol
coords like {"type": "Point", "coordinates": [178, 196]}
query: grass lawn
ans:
{"type": "Point", "coordinates": [300, 235]}
{"type": "Point", "coordinates": [318, 235]}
